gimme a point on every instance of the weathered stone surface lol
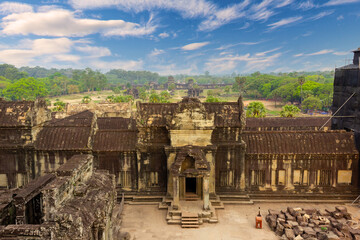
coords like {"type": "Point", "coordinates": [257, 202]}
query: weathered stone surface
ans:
{"type": "Point", "coordinates": [279, 230]}
{"type": "Point", "coordinates": [321, 236]}
{"type": "Point", "coordinates": [332, 236]}
{"type": "Point", "coordinates": [337, 232]}
{"type": "Point", "coordinates": [324, 213]}
{"type": "Point", "coordinates": [274, 212]}
{"type": "Point", "coordinates": [310, 211]}
{"type": "Point", "coordinates": [337, 215]}
{"type": "Point", "coordinates": [289, 233]}
{"type": "Point", "coordinates": [309, 231]}
{"type": "Point", "coordinates": [289, 217]}
{"type": "Point", "coordinates": [298, 237]}
{"type": "Point", "coordinates": [341, 209]}
{"type": "Point", "coordinates": [293, 224]}
{"type": "Point", "coordinates": [347, 216]}
{"type": "Point", "coordinates": [271, 219]}
{"type": "Point", "coordinates": [298, 230]}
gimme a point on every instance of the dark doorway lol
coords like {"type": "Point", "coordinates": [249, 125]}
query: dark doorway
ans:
{"type": "Point", "coordinates": [34, 210]}
{"type": "Point", "coordinates": [190, 185]}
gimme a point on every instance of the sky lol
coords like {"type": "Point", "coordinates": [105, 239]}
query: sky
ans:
{"type": "Point", "coordinates": [180, 36]}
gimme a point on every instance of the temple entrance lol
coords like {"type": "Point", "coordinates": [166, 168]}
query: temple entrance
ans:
{"type": "Point", "coordinates": [190, 185]}
{"type": "Point", "coordinates": [191, 188]}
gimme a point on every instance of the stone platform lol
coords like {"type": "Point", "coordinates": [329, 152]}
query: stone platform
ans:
{"type": "Point", "coordinates": [191, 214]}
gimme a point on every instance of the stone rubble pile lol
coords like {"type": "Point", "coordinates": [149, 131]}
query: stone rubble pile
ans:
{"type": "Point", "coordinates": [299, 223]}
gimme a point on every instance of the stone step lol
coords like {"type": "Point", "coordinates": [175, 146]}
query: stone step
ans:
{"type": "Point", "coordinates": [250, 202]}
{"type": "Point", "coordinates": [171, 221]}
{"type": "Point", "coordinates": [143, 203]}
{"type": "Point", "coordinates": [189, 219]}
{"type": "Point", "coordinates": [189, 214]}
{"type": "Point", "coordinates": [190, 226]}
{"type": "Point", "coordinates": [234, 197]}
{"type": "Point", "coordinates": [190, 223]}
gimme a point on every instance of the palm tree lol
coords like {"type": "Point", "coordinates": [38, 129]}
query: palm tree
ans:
{"type": "Point", "coordinates": [256, 109]}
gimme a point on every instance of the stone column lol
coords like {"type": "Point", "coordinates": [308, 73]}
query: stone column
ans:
{"type": "Point", "coordinates": [176, 192]}
{"type": "Point", "coordinates": [206, 193]}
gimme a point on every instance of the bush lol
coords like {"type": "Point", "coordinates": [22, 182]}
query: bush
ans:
{"type": "Point", "coordinates": [289, 111]}
{"type": "Point", "coordinates": [212, 99]}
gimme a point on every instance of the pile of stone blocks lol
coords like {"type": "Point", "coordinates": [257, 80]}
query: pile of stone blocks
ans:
{"type": "Point", "coordinates": [299, 223]}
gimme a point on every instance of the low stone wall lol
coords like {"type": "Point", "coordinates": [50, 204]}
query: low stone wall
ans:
{"type": "Point", "coordinates": [298, 223]}
{"type": "Point", "coordinates": [101, 109]}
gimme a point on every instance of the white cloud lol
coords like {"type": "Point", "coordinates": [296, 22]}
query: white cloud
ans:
{"type": "Point", "coordinates": [284, 22]}
{"type": "Point", "coordinates": [321, 15]}
{"type": "Point", "coordinates": [214, 15]}
{"type": "Point", "coordinates": [307, 34]}
{"type": "Point", "coordinates": [246, 25]}
{"type": "Point", "coordinates": [224, 16]}
{"type": "Point", "coordinates": [14, 7]}
{"type": "Point", "coordinates": [164, 35]}
{"type": "Point", "coordinates": [194, 46]}
{"type": "Point", "coordinates": [52, 46]}
{"type": "Point", "coordinates": [341, 53]}
{"type": "Point", "coordinates": [173, 69]}
{"type": "Point", "coordinates": [57, 52]}
{"type": "Point", "coordinates": [188, 8]}
{"type": "Point", "coordinates": [230, 62]}
{"type": "Point", "coordinates": [299, 55]}
{"type": "Point", "coordinates": [62, 23]}
{"type": "Point", "coordinates": [284, 3]}
{"type": "Point", "coordinates": [340, 2]}
{"type": "Point", "coordinates": [93, 51]}
{"type": "Point", "coordinates": [34, 49]}
{"type": "Point", "coordinates": [260, 54]}
{"type": "Point", "coordinates": [223, 47]}
{"type": "Point", "coordinates": [306, 5]}
{"type": "Point", "coordinates": [120, 64]}
{"type": "Point", "coordinates": [339, 18]}
{"type": "Point", "coordinates": [322, 52]}
{"type": "Point", "coordinates": [156, 52]}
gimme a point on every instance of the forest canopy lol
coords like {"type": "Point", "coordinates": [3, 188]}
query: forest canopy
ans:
{"type": "Point", "coordinates": [28, 83]}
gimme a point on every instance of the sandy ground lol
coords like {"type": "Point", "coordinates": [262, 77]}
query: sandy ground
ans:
{"type": "Point", "coordinates": [235, 222]}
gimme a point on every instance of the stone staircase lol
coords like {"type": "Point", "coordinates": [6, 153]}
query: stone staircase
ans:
{"type": "Point", "coordinates": [189, 220]}
{"type": "Point", "coordinates": [191, 197]}
{"type": "Point", "coordinates": [243, 199]}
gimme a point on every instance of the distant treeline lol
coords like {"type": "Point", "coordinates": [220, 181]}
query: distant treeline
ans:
{"type": "Point", "coordinates": [33, 82]}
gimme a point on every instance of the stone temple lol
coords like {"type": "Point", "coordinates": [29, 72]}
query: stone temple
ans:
{"type": "Point", "coordinates": [61, 176]}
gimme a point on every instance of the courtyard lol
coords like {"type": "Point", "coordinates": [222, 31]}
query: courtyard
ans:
{"type": "Point", "coordinates": [235, 222]}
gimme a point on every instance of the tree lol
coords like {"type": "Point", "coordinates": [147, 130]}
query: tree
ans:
{"type": "Point", "coordinates": [171, 87]}
{"type": "Point", "coordinates": [165, 95]}
{"type": "Point", "coordinates": [126, 98]}
{"type": "Point", "coordinates": [73, 89]}
{"type": "Point", "coordinates": [212, 99]}
{"type": "Point", "coordinates": [25, 89]}
{"type": "Point", "coordinates": [59, 106]}
{"type": "Point", "coordinates": [110, 99]}
{"type": "Point", "coordinates": [312, 103]}
{"type": "Point", "coordinates": [86, 99]}
{"type": "Point", "coordinates": [256, 109]}
{"type": "Point", "coordinates": [154, 98]}
{"type": "Point", "coordinates": [289, 111]}
{"type": "Point", "coordinates": [240, 83]}
{"type": "Point", "coordinates": [227, 89]}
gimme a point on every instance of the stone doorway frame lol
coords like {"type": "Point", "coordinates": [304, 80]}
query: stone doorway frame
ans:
{"type": "Point", "coordinates": [198, 187]}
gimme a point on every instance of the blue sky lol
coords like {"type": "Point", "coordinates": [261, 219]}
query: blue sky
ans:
{"type": "Point", "coordinates": [180, 36]}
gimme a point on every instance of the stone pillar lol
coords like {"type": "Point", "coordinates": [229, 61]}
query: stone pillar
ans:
{"type": "Point", "coordinates": [206, 193]}
{"type": "Point", "coordinates": [176, 192]}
